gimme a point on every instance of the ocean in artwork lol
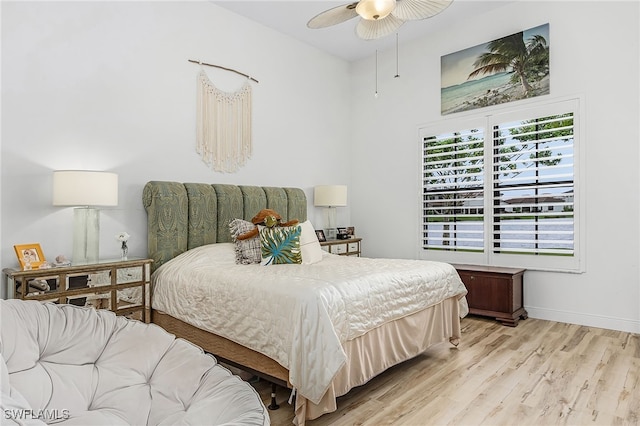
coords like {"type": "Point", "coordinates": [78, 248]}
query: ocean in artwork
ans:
{"type": "Point", "coordinates": [455, 97]}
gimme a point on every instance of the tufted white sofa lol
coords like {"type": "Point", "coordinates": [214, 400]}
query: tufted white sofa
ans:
{"type": "Point", "coordinates": [81, 366]}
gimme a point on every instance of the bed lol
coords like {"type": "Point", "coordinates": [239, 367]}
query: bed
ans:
{"type": "Point", "coordinates": [320, 329]}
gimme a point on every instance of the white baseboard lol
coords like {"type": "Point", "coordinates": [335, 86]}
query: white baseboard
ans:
{"type": "Point", "coordinates": [610, 323]}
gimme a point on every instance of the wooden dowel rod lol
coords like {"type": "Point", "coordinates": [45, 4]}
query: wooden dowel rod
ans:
{"type": "Point", "coordinates": [224, 68]}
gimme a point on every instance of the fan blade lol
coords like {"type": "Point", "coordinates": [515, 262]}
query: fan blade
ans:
{"type": "Point", "coordinates": [333, 16]}
{"type": "Point", "coordinates": [408, 10]}
{"type": "Point", "coordinates": [369, 29]}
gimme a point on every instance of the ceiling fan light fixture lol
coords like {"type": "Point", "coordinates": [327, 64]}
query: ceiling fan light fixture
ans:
{"type": "Point", "coordinates": [375, 9]}
{"type": "Point", "coordinates": [370, 30]}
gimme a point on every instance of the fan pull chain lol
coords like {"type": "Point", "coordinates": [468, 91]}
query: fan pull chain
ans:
{"type": "Point", "coordinates": [397, 59]}
{"type": "Point", "coordinates": [376, 94]}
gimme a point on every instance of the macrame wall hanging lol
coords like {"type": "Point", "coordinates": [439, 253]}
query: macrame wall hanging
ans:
{"type": "Point", "coordinates": [223, 120]}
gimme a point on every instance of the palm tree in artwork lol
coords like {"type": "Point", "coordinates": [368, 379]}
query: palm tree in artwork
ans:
{"type": "Point", "coordinates": [526, 60]}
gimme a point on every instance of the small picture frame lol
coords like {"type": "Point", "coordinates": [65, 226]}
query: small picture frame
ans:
{"type": "Point", "coordinates": [320, 235]}
{"type": "Point", "coordinates": [30, 256]}
{"type": "Point", "coordinates": [351, 231]}
{"type": "Point", "coordinates": [342, 234]}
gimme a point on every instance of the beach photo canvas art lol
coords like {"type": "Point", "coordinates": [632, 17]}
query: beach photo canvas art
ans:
{"type": "Point", "coordinates": [503, 70]}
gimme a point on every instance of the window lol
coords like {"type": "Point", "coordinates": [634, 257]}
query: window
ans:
{"type": "Point", "coordinates": [502, 191]}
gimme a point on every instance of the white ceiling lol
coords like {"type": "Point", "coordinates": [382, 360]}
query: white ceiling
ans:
{"type": "Point", "coordinates": [290, 17]}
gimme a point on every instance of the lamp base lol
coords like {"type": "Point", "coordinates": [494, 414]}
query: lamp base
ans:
{"type": "Point", "coordinates": [332, 234]}
{"type": "Point", "coordinates": [86, 235]}
{"type": "Point", "coordinates": [330, 222]}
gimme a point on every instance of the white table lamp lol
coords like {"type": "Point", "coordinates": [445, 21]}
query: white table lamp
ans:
{"type": "Point", "coordinates": [330, 197]}
{"type": "Point", "coordinates": [85, 189]}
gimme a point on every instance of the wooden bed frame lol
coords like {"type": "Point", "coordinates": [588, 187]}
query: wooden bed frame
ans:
{"type": "Point", "coordinates": [182, 216]}
{"type": "Point", "coordinates": [226, 350]}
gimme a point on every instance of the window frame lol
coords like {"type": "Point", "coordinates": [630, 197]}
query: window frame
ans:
{"type": "Point", "coordinates": [487, 121]}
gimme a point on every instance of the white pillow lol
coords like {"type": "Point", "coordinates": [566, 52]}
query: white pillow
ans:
{"type": "Point", "coordinates": [309, 245]}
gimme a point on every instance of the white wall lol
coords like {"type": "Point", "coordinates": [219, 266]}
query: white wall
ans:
{"type": "Point", "coordinates": [594, 54]}
{"type": "Point", "coordinates": [107, 86]}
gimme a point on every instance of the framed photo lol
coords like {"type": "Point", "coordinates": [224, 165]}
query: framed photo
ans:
{"type": "Point", "coordinates": [29, 255]}
{"type": "Point", "coordinates": [320, 235]}
{"type": "Point", "coordinates": [351, 231]}
{"type": "Point", "coordinates": [503, 70]}
{"type": "Point", "coordinates": [342, 234]}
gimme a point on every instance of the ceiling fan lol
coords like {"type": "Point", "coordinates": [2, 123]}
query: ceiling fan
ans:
{"type": "Point", "coordinates": [379, 18]}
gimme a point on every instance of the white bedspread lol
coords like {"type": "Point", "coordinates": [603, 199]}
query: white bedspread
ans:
{"type": "Point", "coordinates": [299, 314]}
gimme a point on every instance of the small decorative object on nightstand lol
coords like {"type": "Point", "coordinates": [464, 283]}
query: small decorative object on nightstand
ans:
{"type": "Point", "coordinates": [123, 286]}
{"type": "Point", "coordinates": [342, 234]}
{"type": "Point", "coordinates": [61, 260]}
{"type": "Point", "coordinates": [123, 237]}
{"type": "Point", "coordinates": [348, 247]}
{"type": "Point", "coordinates": [494, 292]}
{"type": "Point", "coordinates": [30, 256]}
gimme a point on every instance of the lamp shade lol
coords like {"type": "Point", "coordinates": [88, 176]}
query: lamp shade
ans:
{"type": "Point", "coordinates": [330, 195]}
{"type": "Point", "coordinates": [84, 188]}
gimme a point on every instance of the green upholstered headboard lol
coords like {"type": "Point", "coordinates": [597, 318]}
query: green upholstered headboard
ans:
{"type": "Point", "coordinates": [182, 216]}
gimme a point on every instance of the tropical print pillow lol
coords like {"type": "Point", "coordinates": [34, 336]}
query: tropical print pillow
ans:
{"type": "Point", "coordinates": [280, 245]}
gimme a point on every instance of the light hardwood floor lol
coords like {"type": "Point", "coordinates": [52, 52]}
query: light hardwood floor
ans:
{"type": "Point", "coordinates": [538, 373]}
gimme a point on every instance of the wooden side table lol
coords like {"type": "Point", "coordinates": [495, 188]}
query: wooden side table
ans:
{"type": "Point", "coordinates": [494, 292]}
{"type": "Point", "coordinates": [348, 247]}
{"type": "Point", "coordinates": [122, 286]}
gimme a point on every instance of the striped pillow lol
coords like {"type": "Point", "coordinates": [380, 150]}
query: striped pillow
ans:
{"type": "Point", "coordinates": [247, 251]}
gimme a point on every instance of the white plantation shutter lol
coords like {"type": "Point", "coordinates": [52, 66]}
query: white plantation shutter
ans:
{"type": "Point", "coordinates": [533, 190]}
{"type": "Point", "coordinates": [503, 190]}
{"type": "Point", "coordinates": [453, 191]}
